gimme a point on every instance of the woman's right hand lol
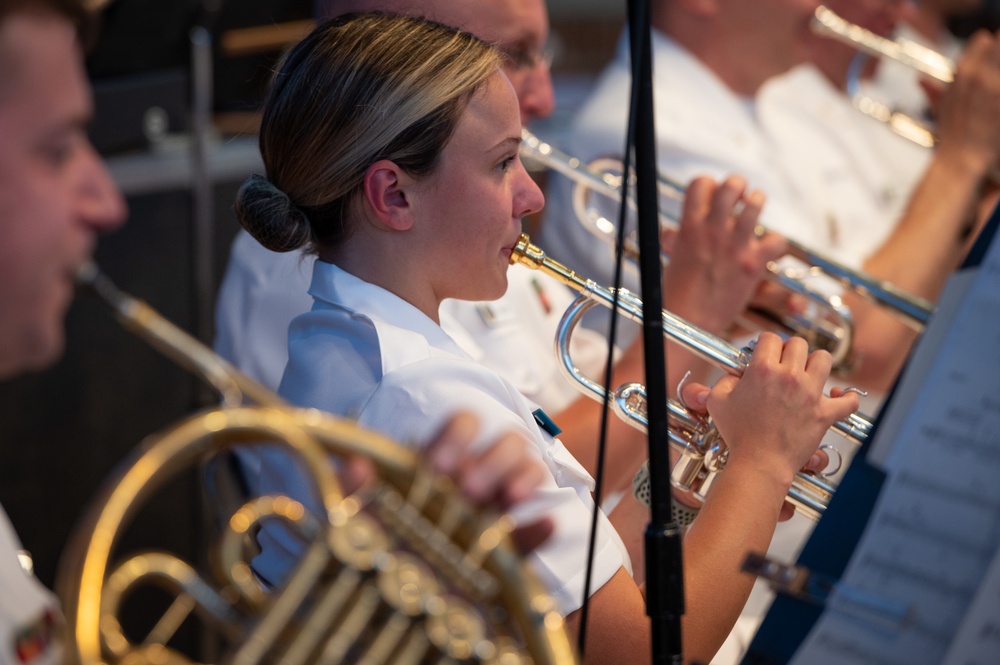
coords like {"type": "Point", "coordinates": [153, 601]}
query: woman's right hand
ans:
{"type": "Point", "coordinates": [774, 416]}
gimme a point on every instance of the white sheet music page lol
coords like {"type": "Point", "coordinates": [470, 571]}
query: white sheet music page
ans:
{"type": "Point", "coordinates": [934, 533]}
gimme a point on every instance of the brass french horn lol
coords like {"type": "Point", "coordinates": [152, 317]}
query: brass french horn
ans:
{"type": "Point", "coordinates": [401, 570]}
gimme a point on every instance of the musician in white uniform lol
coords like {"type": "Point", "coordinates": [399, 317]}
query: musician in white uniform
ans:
{"type": "Point", "coordinates": [55, 196]}
{"type": "Point", "coordinates": [865, 171]}
{"type": "Point", "coordinates": [426, 205]}
{"type": "Point", "coordinates": [702, 127]}
{"type": "Point", "coordinates": [710, 61]}
{"type": "Point", "coordinates": [868, 171]}
{"type": "Point", "coordinates": [263, 290]}
{"type": "Point", "coordinates": [871, 175]}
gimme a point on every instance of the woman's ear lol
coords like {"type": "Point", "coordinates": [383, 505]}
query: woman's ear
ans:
{"type": "Point", "coordinates": [384, 193]}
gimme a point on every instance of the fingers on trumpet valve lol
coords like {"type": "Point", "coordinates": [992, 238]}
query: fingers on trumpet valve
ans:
{"type": "Point", "coordinates": [780, 400]}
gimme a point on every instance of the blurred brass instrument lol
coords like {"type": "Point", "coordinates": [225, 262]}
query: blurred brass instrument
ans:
{"type": "Point", "coordinates": [827, 325]}
{"type": "Point", "coordinates": [916, 56]}
{"type": "Point", "coordinates": [702, 453]}
{"type": "Point", "coordinates": [404, 570]}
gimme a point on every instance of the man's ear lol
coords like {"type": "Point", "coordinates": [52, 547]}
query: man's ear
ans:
{"type": "Point", "coordinates": [384, 193]}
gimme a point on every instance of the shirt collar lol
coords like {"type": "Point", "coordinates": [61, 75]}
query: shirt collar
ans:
{"type": "Point", "coordinates": [333, 286]}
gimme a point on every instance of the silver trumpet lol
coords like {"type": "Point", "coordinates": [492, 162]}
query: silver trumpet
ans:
{"type": "Point", "coordinates": [829, 327]}
{"type": "Point", "coordinates": [916, 56]}
{"type": "Point", "coordinates": [701, 452]}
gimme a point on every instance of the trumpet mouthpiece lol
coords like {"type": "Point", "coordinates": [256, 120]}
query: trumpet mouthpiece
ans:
{"type": "Point", "coordinates": [527, 254]}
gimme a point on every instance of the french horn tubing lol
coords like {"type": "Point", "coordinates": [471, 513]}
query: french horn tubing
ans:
{"type": "Point", "coordinates": [831, 327]}
{"type": "Point", "coordinates": [701, 452]}
{"type": "Point", "coordinates": [402, 570]}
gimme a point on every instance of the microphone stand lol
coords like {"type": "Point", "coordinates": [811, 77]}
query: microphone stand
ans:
{"type": "Point", "coordinates": [664, 570]}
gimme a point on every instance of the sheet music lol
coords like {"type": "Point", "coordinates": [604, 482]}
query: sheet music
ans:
{"type": "Point", "coordinates": [920, 363]}
{"type": "Point", "coordinates": [978, 640]}
{"type": "Point", "coordinates": [935, 529]}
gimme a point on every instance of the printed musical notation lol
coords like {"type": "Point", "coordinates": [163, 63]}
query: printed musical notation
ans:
{"type": "Point", "coordinates": [933, 537]}
{"type": "Point", "coordinates": [978, 639]}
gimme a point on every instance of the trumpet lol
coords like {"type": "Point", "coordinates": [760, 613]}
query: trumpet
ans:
{"type": "Point", "coordinates": [401, 570]}
{"type": "Point", "coordinates": [701, 452]}
{"type": "Point", "coordinates": [831, 330]}
{"type": "Point", "coordinates": [927, 61]}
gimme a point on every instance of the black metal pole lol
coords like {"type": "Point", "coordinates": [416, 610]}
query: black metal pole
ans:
{"type": "Point", "coordinates": [664, 571]}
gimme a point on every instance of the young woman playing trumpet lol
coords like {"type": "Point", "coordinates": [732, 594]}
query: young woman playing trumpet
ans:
{"type": "Point", "coordinates": [391, 145]}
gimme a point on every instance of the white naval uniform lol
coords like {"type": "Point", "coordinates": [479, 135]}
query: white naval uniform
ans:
{"type": "Point", "coordinates": [30, 619]}
{"type": "Point", "coordinates": [865, 172]}
{"type": "Point", "coordinates": [862, 171]}
{"type": "Point", "coordinates": [366, 354]}
{"type": "Point", "coordinates": [262, 291]}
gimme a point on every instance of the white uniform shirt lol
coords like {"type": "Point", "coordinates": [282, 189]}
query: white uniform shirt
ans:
{"type": "Point", "coordinates": [262, 291]}
{"type": "Point", "coordinates": [702, 128]}
{"type": "Point", "coordinates": [368, 355]}
{"type": "Point", "coordinates": [30, 619]}
{"type": "Point", "coordinates": [862, 171]}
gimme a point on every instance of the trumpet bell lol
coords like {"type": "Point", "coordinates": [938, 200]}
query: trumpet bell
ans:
{"type": "Point", "coordinates": [825, 322]}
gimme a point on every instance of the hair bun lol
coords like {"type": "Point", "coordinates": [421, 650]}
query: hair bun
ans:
{"type": "Point", "coordinates": [270, 216]}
